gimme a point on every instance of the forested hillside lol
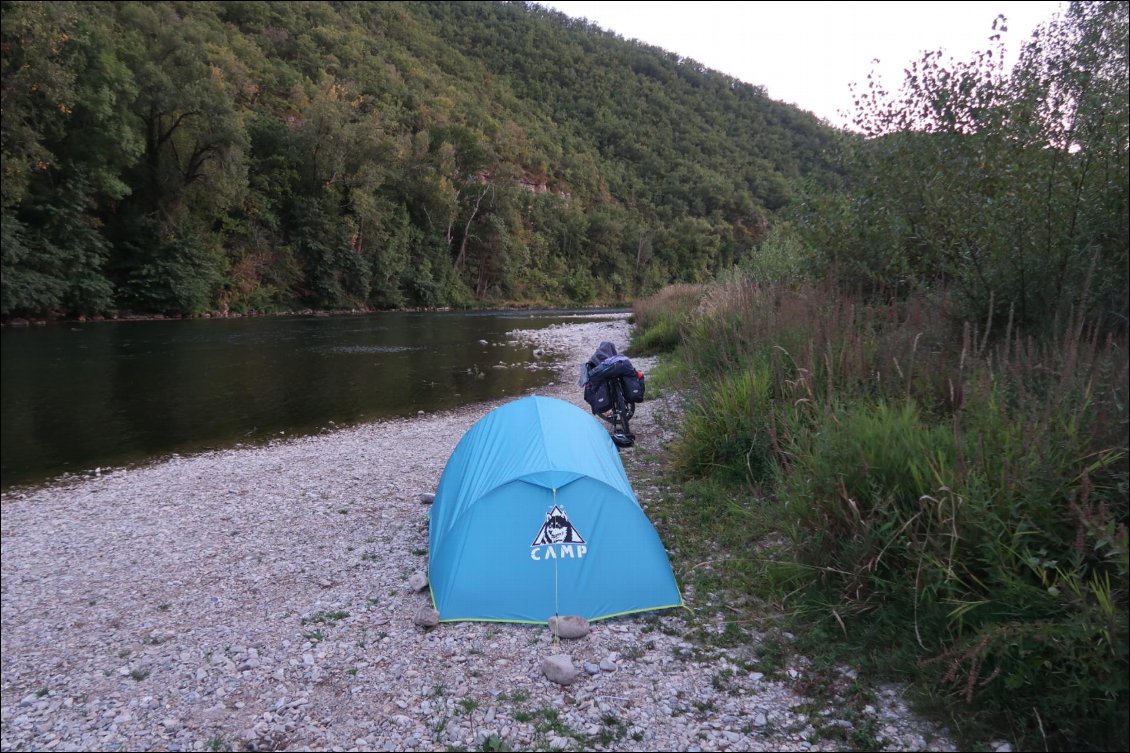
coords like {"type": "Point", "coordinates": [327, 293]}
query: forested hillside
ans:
{"type": "Point", "coordinates": [187, 157]}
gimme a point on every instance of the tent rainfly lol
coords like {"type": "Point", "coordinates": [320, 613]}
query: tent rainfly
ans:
{"type": "Point", "coordinates": [534, 517]}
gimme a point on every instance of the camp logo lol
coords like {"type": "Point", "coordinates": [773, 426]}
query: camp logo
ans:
{"type": "Point", "coordinates": [557, 539]}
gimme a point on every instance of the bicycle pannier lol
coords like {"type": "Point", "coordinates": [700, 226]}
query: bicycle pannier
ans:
{"type": "Point", "coordinates": [633, 387]}
{"type": "Point", "coordinates": [598, 396]}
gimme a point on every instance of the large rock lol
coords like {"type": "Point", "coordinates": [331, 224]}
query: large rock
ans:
{"type": "Point", "coordinates": [569, 626]}
{"type": "Point", "coordinates": [559, 668]}
{"type": "Point", "coordinates": [426, 617]}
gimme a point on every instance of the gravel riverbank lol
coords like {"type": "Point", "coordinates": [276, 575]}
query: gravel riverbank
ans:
{"type": "Point", "coordinates": [257, 598]}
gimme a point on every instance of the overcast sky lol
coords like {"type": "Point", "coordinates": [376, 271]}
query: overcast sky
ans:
{"type": "Point", "coordinates": [808, 53]}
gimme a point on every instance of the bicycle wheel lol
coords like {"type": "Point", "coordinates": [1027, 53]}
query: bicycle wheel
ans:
{"type": "Point", "coordinates": [621, 432]}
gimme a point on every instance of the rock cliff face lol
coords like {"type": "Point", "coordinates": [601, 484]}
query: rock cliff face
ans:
{"type": "Point", "coordinates": [533, 186]}
{"type": "Point", "coordinates": [529, 182]}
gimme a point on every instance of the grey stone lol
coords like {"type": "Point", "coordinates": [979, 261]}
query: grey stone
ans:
{"type": "Point", "coordinates": [592, 669]}
{"type": "Point", "coordinates": [608, 665]}
{"type": "Point", "coordinates": [569, 626]}
{"type": "Point", "coordinates": [427, 499]}
{"type": "Point", "coordinates": [559, 668]}
{"type": "Point", "coordinates": [418, 582]}
{"type": "Point", "coordinates": [426, 617]}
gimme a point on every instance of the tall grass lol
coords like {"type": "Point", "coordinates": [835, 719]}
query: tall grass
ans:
{"type": "Point", "coordinates": [659, 319]}
{"type": "Point", "coordinates": [955, 497]}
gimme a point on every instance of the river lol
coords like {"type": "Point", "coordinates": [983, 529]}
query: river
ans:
{"type": "Point", "coordinates": [79, 396]}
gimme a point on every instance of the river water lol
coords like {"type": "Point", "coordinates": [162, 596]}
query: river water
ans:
{"type": "Point", "coordinates": [80, 396]}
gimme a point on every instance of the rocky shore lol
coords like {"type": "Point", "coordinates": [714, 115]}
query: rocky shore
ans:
{"type": "Point", "coordinates": [259, 598]}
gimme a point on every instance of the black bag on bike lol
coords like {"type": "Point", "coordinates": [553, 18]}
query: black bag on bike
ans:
{"type": "Point", "coordinates": [598, 396]}
{"type": "Point", "coordinates": [604, 366]}
{"type": "Point", "coordinates": [633, 387]}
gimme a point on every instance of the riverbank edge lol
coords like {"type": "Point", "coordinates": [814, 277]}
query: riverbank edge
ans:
{"type": "Point", "coordinates": [18, 322]}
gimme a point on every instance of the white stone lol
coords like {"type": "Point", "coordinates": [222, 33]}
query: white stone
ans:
{"type": "Point", "coordinates": [559, 668]}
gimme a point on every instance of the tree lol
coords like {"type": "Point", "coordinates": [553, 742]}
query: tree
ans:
{"type": "Point", "coordinates": [1010, 188]}
{"type": "Point", "coordinates": [66, 140]}
{"type": "Point", "coordinates": [1071, 91]}
{"type": "Point", "coordinates": [192, 167]}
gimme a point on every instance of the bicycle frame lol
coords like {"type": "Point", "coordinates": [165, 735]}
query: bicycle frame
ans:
{"type": "Point", "coordinates": [620, 413]}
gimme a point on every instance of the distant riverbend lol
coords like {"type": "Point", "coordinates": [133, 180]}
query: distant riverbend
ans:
{"type": "Point", "coordinates": [77, 396]}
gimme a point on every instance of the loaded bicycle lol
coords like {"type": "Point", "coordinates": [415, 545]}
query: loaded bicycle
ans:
{"type": "Point", "coordinates": [612, 388]}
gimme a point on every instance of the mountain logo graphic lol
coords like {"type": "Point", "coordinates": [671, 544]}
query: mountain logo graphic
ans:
{"type": "Point", "coordinates": [557, 529]}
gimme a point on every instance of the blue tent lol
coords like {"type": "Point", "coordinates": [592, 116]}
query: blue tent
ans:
{"type": "Point", "coordinates": [534, 517]}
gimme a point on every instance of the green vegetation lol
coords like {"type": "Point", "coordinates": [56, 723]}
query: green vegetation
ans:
{"type": "Point", "coordinates": [325, 618]}
{"type": "Point", "coordinates": [494, 744]}
{"type": "Point", "coordinates": [190, 157]}
{"type": "Point", "coordinates": [658, 319]}
{"type": "Point", "coordinates": [913, 439]}
{"type": "Point", "coordinates": [217, 743]}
